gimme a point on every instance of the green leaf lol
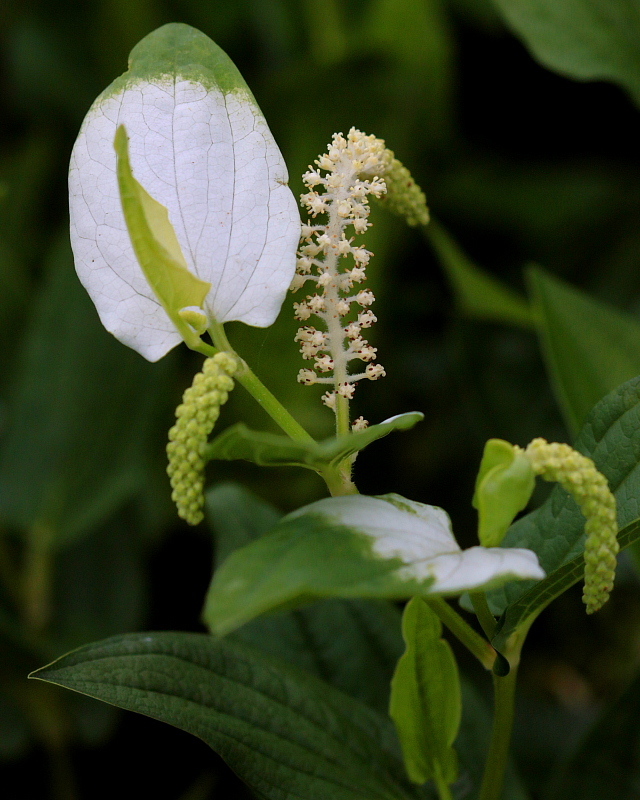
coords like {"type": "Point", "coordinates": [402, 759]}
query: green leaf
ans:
{"type": "Point", "coordinates": [504, 486]}
{"type": "Point", "coordinates": [606, 763]}
{"type": "Point", "coordinates": [156, 246]}
{"type": "Point", "coordinates": [79, 419]}
{"type": "Point", "coordinates": [285, 733]}
{"type": "Point", "coordinates": [478, 294]}
{"type": "Point", "coordinates": [583, 39]}
{"type": "Point", "coordinates": [337, 640]}
{"type": "Point", "coordinates": [426, 703]}
{"type": "Point", "coordinates": [272, 450]}
{"type": "Point", "coordinates": [537, 598]}
{"type": "Point", "coordinates": [555, 531]}
{"type": "Point", "coordinates": [590, 348]}
{"type": "Point", "coordinates": [354, 547]}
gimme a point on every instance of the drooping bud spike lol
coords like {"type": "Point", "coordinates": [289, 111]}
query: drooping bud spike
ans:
{"type": "Point", "coordinates": [403, 197]}
{"type": "Point", "coordinates": [579, 476]}
{"type": "Point", "coordinates": [195, 418]}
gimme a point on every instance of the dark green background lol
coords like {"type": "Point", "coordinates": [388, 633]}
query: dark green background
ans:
{"type": "Point", "coordinates": [519, 163]}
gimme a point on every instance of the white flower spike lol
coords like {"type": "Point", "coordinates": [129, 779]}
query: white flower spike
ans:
{"type": "Point", "coordinates": [200, 146]}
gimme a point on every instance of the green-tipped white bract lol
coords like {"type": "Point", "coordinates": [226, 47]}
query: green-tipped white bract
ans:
{"type": "Point", "coordinates": [200, 147]}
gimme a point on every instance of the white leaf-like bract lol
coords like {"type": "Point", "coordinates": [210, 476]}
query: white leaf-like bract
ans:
{"type": "Point", "coordinates": [420, 536]}
{"type": "Point", "coordinates": [200, 146]}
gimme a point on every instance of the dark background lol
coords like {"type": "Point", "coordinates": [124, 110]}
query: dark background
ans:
{"type": "Point", "coordinates": [520, 164]}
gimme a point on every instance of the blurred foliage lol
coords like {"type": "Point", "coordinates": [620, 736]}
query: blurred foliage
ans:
{"type": "Point", "coordinates": [520, 165]}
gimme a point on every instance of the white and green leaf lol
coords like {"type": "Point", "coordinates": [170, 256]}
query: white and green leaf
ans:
{"type": "Point", "coordinates": [201, 148]}
{"type": "Point", "coordinates": [355, 546]}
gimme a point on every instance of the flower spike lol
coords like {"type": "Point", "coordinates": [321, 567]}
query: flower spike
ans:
{"type": "Point", "coordinates": [579, 476]}
{"type": "Point", "coordinates": [195, 418]}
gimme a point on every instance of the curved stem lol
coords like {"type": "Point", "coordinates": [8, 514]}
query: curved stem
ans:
{"type": "Point", "coordinates": [444, 792]}
{"type": "Point", "coordinates": [257, 389]}
{"type": "Point", "coordinates": [483, 612]}
{"type": "Point", "coordinates": [478, 646]}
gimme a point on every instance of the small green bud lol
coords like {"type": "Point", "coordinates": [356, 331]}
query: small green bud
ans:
{"type": "Point", "coordinates": [579, 476]}
{"type": "Point", "coordinates": [403, 196]}
{"type": "Point", "coordinates": [195, 418]}
{"type": "Point", "coordinates": [503, 488]}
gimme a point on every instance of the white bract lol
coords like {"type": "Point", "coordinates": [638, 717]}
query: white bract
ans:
{"type": "Point", "coordinates": [420, 536]}
{"type": "Point", "coordinates": [200, 146]}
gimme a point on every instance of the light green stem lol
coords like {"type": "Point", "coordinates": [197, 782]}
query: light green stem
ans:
{"type": "Point", "coordinates": [483, 612]}
{"type": "Point", "coordinates": [495, 768]}
{"type": "Point", "coordinates": [444, 792]}
{"type": "Point", "coordinates": [480, 648]}
{"type": "Point", "coordinates": [257, 389]}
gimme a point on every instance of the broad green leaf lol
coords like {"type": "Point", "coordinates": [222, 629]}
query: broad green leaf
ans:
{"type": "Point", "coordinates": [199, 146]}
{"type": "Point", "coordinates": [590, 347]}
{"type": "Point", "coordinates": [538, 597]}
{"type": "Point", "coordinates": [583, 39]}
{"type": "Point", "coordinates": [354, 547]}
{"type": "Point", "coordinates": [284, 732]}
{"type": "Point", "coordinates": [555, 531]}
{"type": "Point", "coordinates": [338, 640]}
{"type": "Point", "coordinates": [79, 418]}
{"type": "Point", "coordinates": [606, 764]}
{"type": "Point", "coordinates": [426, 704]}
{"type": "Point", "coordinates": [156, 246]}
{"type": "Point", "coordinates": [272, 450]}
{"type": "Point", "coordinates": [504, 487]}
{"type": "Point", "coordinates": [478, 294]}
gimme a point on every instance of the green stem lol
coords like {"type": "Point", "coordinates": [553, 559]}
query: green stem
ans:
{"type": "Point", "coordinates": [444, 792]}
{"type": "Point", "coordinates": [483, 612]}
{"type": "Point", "coordinates": [480, 648]}
{"type": "Point", "coordinates": [495, 768]}
{"type": "Point", "coordinates": [258, 390]}
{"type": "Point", "coordinates": [37, 577]}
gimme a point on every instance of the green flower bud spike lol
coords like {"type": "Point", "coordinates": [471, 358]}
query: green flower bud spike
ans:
{"type": "Point", "coordinates": [195, 418]}
{"type": "Point", "coordinates": [403, 197]}
{"type": "Point", "coordinates": [579, 476]}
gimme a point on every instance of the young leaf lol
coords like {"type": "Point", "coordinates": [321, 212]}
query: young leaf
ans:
{"type": "Point", "coordinates": [285, 733]}
{"type": "Point", "coordinates": [555, 531]}
{"type": "Point", "coordinates": [156, 246]}
{"type": "Point", "coordinates": [272, 450]}
{"type": "Point", "coordinates": [355, 546]}
{"type": "Point", "coordinates": [584, 39]}
{"type": "Point", "coordinates": [478, 294]}
{"type": "Point", "coordinates": [590, 348]}
{"type": "Point", "coordinates": [426, 703]}
{"type": "Point", "coordinates": [201, 148]}
{"type": "Point", "coordinates": [504, 487]}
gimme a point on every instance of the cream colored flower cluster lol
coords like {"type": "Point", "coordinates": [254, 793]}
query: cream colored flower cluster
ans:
{"type": "Point", "coordinates": [322, 254]}
{"type": "Point", "coordinates": [579, 476]}
{"type": "Point", "coordinates": [195, 418]}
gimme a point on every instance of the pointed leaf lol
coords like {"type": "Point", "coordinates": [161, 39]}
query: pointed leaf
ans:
{"type": "Point", "coordinates": [271, 450]}
{"type": "Point", "coordinates": [352, 547]}
{"type": "Point", "coordinates": [426, 704]}
{"type": "Point", "coordinates": [156, 245]}
{"type": "Point", "coordinates": [584, 39]}
{"type": "Point", "coordinates": [478, 294]}
{"type": "Point", "coordinates": [504, 487]}
{"type": "Point", "coordinates": [590, 348]}
{"type": "Point", "coordinates": [201, 148]}
{"type": "Point", "coordinates": [285, 733]}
